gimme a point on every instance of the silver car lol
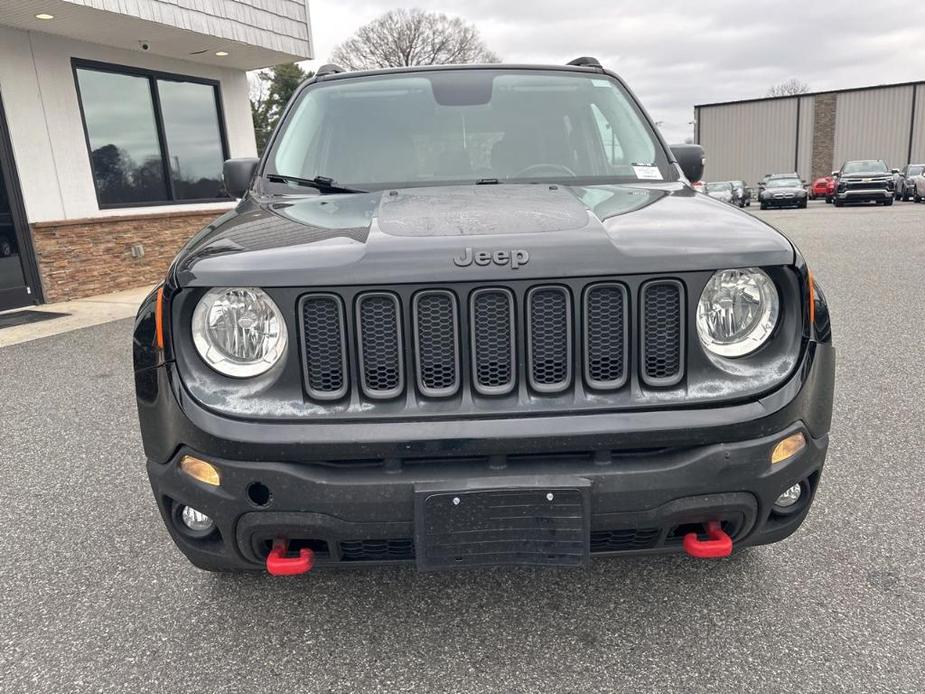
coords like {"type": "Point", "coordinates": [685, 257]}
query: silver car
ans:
{"type": "Point", "coordinates": [723, 190]}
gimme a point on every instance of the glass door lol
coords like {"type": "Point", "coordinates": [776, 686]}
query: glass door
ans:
{"type": "Point", "coordinates": [15, 259]}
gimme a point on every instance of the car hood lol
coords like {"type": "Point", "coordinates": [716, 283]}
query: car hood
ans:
{"type": "Point", "coordinates": [869, 174]}
{"type": "Point", "coordinates": [427, 234]}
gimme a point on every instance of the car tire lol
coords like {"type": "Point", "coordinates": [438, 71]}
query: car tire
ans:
{"type": "Point", "coordinates": [763, 206]}
{"type": "Point", "coordinates": [887, 203]}
{"type": "Point", "coordinates": [839, 203]}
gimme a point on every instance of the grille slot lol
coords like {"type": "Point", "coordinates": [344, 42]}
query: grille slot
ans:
{"type": "Point", "coordinates": [377, 550]}
{"type": "Point", "coordinates": [380, 345]}
{"type": "Point", "coordinates": [606, 313]}
{"type": "Point", "coordinates": [662, 332]}
{"type": "Point", "coordinates": [493, 351]}
{"type": "Point", "coordinates": [549, 339]}
{"type": "Point", "coordinates": [436, 343]}
{"type": "Point", "coordinates": [624, 540]}
{"type": "Point", "coordinates": [325, 345]}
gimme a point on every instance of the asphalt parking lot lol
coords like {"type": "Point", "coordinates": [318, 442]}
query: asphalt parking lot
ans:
{"type": "Point", "coordinates": [96, 598]}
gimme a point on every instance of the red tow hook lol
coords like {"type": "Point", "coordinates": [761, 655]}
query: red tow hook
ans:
{"type": "Point", "coordinates": [719, 544]}
{"type": "Point", "coordinates": [278, 564]}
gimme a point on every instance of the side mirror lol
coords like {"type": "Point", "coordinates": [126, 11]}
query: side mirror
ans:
{"type": "Point", "coordinates": [691, 160]}
{"type": "Point", "coordinates": [835, 174]}
{"type": "Point", "coordinates": [895, 171]}
{"type": "Point", "coordinates": [237, 174]}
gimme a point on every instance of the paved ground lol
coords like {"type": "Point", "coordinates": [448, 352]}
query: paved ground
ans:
{"type": "Point", "coordinates": [95, 597]}
{"type": "Point", "coordinates": [82, 313]}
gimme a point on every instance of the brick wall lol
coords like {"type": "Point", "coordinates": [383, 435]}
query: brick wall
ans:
{"type": "Point", "coordinates": [80, 258]}
{"type": "Point", "coordinates": [824, 135]}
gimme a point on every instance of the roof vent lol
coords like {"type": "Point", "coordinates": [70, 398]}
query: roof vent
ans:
{"type": "Point", "coordinates": [586, 61]}
{"type": "Point", "coordinates": [329, 69]}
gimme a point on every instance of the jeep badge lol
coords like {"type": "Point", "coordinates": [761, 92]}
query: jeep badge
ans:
{"type": "Point", "coordinates": [515, 258]}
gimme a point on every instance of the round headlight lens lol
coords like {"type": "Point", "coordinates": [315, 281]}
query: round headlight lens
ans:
{"type": "Point", "coordinates": [239, 332]}
{"type": "Point", "coordinates": [738, 311]}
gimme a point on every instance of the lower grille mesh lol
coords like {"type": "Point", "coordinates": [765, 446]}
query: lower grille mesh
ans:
{"type": "Point", "coordinates": [377, 550]}
{"type": "Point", "coordinates": [623, 540]}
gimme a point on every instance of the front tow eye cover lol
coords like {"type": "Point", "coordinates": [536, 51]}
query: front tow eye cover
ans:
{"type": "Point", "coordinates": [719, 545]}
{"type": "Point", "coordinates": [280, 564]}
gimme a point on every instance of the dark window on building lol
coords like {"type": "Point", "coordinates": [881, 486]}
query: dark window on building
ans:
{"type": "Point", "coordinates": [153, 138]}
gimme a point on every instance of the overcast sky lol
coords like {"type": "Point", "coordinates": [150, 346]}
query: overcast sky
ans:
{"type": "Point", "coordinates": [677, 54]}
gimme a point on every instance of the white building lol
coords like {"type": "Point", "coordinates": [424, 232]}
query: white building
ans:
{"type": "Point", "coordinates": [115, 118]}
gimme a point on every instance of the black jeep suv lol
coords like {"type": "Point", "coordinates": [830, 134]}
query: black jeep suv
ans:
{"type": "Point", "coordinates": [471, 316]}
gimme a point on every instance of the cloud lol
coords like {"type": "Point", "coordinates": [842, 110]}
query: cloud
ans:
{"type": "Point", "coordinates": [678, 54]}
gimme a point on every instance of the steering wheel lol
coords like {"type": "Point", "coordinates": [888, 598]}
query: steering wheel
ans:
{"type": "Point", "coordinates": [541, 169]}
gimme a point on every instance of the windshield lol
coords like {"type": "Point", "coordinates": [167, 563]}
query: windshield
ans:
{"type": "Point", "coordinates": [785, 183]}
{"type": "Point", "coordinates": [916, 170]}
{"type": "Point", "coordinates": [468, 126]}
{"type": "Point", "coordinates": [853, 167]}
{"type": "Point", "coordinates": [717, 187]}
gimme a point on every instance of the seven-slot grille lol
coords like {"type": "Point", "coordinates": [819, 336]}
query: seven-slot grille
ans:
{"type": "Point", "coordinates": [472, 339]}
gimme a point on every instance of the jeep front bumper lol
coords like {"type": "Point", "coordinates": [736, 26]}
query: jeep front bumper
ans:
{"type": "Point", "coordinates": [348, 491]}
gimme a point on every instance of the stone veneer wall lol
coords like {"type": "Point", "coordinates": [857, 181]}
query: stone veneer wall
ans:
{"type": "Point", "coordinates": [824, 135]}
{"type": "Point", "coordinates": [85, 257]}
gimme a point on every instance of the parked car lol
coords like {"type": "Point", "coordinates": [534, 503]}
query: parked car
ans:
{"type": "Point", "coordinates": [918, 191]}
{"type": "Point", "coordinates": [783, 191]}
{"type": "Point", "coordinates": [721, 190]}
{"type": "Point", "coordinates": [868, 180]}
{"type": "Point", "coordinates": [823, 187]}
{"type": "Point", "coordinates": [420, 360]}
{"type": "Point", "coordinates": [905, 186]}
{"type": "Point", "coordinates": [743, 194]}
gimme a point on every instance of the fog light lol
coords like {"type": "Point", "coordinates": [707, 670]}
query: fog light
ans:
{"type": "Point", "coordinates": [790, 497]}
{"type": "Point", "coordinates": [198, 469]}
{"type": "Point", "coordinates": [195, 520]}
{"type": "Point", "coordinates": [788, 448]}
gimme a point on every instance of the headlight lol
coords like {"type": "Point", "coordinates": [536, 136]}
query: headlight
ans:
{"type": "Point", "coordinates": [239, 331]}
{"type": "Point", "coordinates": [738, 311]}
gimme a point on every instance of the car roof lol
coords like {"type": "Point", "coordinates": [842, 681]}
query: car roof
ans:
{"type": "Point", "coordinates": [584, 69]}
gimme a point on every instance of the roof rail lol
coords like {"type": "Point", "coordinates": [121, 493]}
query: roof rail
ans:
{"type": "Point", "coordinates": [586, 61]}
{"type": "Point", "coordinates": [329, 69]}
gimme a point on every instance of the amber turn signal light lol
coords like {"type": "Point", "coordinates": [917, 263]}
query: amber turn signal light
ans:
{"type": "Point", "coordinates": [200, 470]}
{"type": "Point", "coordinates": [159, 318]}
{"type": "Point", "coordinates": [788, 448]}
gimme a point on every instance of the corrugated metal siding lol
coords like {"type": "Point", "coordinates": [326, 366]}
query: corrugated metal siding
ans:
{"type": "Point", "coordinates": [874, 124]}
{"type": "Point", "coordinates": [807, 126]}
{"type": "Point", "coordinates": [748, 140]}
{"type": "Point", "coordinates": [280, 25]}
{"type": "Point", "coordinates": [918, 134]}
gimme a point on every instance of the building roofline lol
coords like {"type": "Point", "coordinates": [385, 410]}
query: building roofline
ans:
{"type": "Point", "coordinates": [818, 93]}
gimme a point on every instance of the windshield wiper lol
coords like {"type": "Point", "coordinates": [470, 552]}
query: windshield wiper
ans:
{"type": "Point", "coordinates": [322, 183]}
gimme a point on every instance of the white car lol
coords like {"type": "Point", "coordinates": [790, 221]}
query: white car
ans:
{"type": "Point", "coordinates": [918, 193]}
{"type": "Point", "coordinates": [721, 191]}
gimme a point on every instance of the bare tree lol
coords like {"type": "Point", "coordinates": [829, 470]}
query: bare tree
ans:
{"type": "Point", "coordinates": [791, 87]}
{"type": "Point", "coordinates": [401, 38]}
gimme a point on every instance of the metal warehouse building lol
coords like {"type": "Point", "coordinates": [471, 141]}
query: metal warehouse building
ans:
{"type": "Point", "coordinates": [812, 134]}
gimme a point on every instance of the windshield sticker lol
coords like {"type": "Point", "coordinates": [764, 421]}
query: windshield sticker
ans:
{"type": "Point", "coordinates": [648, 173]}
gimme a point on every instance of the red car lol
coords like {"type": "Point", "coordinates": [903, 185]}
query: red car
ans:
{"type": "Point", "coordinates": [823, 188]}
